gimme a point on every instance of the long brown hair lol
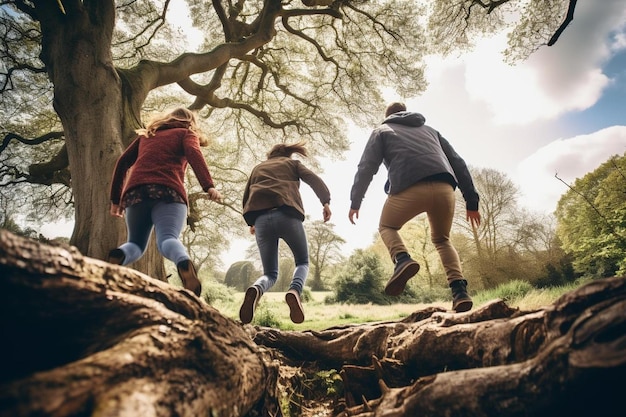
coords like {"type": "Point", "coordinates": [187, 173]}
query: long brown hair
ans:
{"type": "Point", "coordinates": [180, 116]}
{"type": "Point", "coordinates": [283, 149]}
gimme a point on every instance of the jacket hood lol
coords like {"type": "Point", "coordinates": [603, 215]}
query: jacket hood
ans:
{"type": "Point", "coordinates": [406, 118]}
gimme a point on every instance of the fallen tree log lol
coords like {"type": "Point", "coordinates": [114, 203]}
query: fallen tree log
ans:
{"type": "Point", "coordinates": [83, 337]}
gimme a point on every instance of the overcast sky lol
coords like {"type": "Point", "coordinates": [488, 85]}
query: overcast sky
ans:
{"type": "Point", "coordinates": [562, 111]}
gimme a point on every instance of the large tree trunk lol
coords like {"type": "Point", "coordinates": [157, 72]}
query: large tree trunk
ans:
{"type": "Point", "coordinates": [88, 98]}
{"type": "Point", "coordinates": [83, 337]}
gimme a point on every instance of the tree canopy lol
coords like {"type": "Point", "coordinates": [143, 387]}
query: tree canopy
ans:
{"type": "Point", "coordinates": [78, 76]}
{"type": "Point", "coordinates": [592, 220]}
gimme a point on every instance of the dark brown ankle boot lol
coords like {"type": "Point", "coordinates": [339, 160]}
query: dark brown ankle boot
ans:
{"type": "Point", "coordinates": [461, 301]}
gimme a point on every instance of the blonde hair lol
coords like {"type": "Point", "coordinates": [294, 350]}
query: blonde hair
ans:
{"type": "Point", "coordinates": [179, 117]}
{"type": "Point", "coordinates": [287, 150]}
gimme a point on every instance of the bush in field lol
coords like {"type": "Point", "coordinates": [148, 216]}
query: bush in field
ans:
{"type": "Point", "coordinates": [306, 295]}
{"type": "Point", "coordinates": [362, 281]}
{"type": "Point", "coordinates": [557, 275]}
{"type": "Point", "coordinates": [265, 316]}
{"type": "Point", "coordinates": [214, 291]}
{"type": "Point", "coordinates": [241, 275]}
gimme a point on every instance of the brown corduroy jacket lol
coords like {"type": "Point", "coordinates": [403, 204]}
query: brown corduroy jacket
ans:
{"type": "Point", "coordinates": [275, 183]}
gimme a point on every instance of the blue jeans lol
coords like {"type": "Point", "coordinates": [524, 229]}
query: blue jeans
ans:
{"type": "Point", "coordinates": [168, 220]}
{"type": "Point", "coordinates": [269, 228]}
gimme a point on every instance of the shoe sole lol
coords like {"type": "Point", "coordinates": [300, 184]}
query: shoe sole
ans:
{"type": "Point", "coordinates": [190, 280]}
{"type": "Point", "coordinates": [295, 308]}
{"type": "Point", "coordinates": [396, 285]}
{"type": "Point", "coordinates": [246, 312]}
{"type": "Point", "coordinates": [463, 306]}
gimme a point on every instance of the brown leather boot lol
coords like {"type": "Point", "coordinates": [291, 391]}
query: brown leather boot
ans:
{"type": "Point", "coordinates": [187, 273]}
{"type": "Point", "coordinates": [461, 301]}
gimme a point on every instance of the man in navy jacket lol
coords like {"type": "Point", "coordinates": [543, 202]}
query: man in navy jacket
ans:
{"type": "Point", "coordinates": [423, 173]}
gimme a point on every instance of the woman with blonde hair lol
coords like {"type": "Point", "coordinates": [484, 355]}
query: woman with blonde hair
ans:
{"type": "Point", "coordinates": [148, 188]}
{"type": "Point", "coordinates": [272, 207]}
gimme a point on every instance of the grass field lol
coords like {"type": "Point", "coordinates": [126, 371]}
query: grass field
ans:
{"type": "Point", "coordinates": [272, 310]}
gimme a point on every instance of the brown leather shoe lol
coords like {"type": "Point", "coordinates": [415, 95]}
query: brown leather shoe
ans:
{"type": "Point", "coordinates": [250, 300]}
{"type": "Point", "coordinates": [296, 313]}
{"type": "Point", "coordinates": [187, 273]}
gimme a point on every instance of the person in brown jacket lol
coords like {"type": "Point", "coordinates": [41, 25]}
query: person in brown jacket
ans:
{"type": "Point", "coordinates": [272, 207]}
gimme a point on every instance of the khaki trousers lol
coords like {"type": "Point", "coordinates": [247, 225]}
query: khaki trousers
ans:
{"type": "Point", "coordinates": [437, 200]}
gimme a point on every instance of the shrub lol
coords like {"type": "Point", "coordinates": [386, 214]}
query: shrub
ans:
{"type": "Point", "coordinates": [557, 275]}
{"type": "Point", "coordinates": [509, 292]}
{"type": "Point", "coordinates": [263, 316]}
{"type": "Point", "coordinates": [213, 291]}
{"type": "Point", "coordinates": [241, 275]}
{"type": "Point", "coordinates": [361, 281]}
{"type": "Point", "coordinates": [306, 295]}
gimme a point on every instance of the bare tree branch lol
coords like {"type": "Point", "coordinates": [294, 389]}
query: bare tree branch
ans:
{"type": "Point", "coordinates": [584, 197]}
{"type": "Point", "coordinates": [35, 141]}
{"type": "Point", "coordinates": [568, 19]}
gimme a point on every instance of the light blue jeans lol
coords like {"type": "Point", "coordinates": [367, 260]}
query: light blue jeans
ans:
{"type": "Point", "coordinates": [168, 220]}
{"type": "Point", "coordinates": [269, 228]}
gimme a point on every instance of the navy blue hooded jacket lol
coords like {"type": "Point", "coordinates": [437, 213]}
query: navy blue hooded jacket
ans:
{"type": "Point", "coordinates": [411, 152]}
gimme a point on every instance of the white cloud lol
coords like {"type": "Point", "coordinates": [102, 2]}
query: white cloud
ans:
{"type": "Point", "coordinates": [568, 159]}
{"type": "Point", "coordinates": [540, 88]}
{"type": "Point", "coordinates": [554, 80]}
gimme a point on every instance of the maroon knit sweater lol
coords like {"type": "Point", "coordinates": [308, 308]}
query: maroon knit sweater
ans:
{"type": "Point", "coordinates": [160, 159]}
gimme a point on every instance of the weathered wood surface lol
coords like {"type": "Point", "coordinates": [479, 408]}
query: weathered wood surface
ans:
{"type": "Point", "coordinates": [83, 337]}
{"type": "Point", "coordinates": [565, 359]}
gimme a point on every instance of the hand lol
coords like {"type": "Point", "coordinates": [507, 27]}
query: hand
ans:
{"type": "Point", "coordinates": [252, 230]}
{"type": "Point", "coordinates": [352, 214]}
{"type": "Point", "coordinates": [214, 195]}
{"type": "Point", "coordinates": [326, 212]}
{"type": "Point", "coordinates": [473, 216]}
{"type": "Point", "coordinates": [116, 210]}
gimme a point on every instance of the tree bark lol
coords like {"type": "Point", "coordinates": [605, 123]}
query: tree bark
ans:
{"type": "Point", "coordinates": [565, 359]}
{"type": "Point", "coordinates": [83, 337]}
{"type": "Point", "coordinates": [88, 97]}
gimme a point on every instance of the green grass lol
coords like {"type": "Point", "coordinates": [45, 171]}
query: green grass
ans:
{"type": "Point", "coordinates": [522, 295]}
{"type": "Point", "coordinates": [272, 310]}
{"type": "Point", "coordinates": [318, 315]}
